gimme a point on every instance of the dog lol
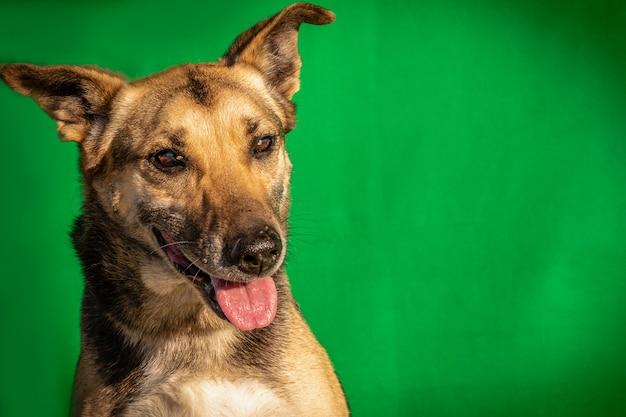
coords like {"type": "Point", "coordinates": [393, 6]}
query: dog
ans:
{"type": "Point", "coordinates": [187, 310]}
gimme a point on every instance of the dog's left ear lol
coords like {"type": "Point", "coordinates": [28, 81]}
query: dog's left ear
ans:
{"type": "Point", "coordinates": [271, 46]}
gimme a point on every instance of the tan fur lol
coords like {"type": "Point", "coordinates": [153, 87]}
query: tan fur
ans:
{"type": "Point", "coordinates": [152, 342]}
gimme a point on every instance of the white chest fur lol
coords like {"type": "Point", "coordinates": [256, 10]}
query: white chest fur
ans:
{"type": "Point", "coordinates": [232, 399]}
{"type": "Point", "coordinates": [244, 398]}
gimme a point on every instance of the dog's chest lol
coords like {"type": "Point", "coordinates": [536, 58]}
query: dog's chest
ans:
{"type": "Point", "coordinates": [211, 398]}
{"type": "Point", "coordinates": [243, 398]}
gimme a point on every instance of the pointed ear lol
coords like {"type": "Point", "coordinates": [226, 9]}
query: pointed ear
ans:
{"type": "Point", "coordinates": [77, 97]}
{"type": "Point", "coordinates": [272, 46]}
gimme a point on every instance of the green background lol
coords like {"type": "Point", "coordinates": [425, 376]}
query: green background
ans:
{"type": "Point", "coordinates": [459, 196]}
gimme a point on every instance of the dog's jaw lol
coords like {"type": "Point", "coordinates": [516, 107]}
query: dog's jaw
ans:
{"type": "Point", "coordinates": [247, 306]}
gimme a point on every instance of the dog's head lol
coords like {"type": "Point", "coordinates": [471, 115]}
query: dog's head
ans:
{"type": "Point", "coordinates": [191, 161]}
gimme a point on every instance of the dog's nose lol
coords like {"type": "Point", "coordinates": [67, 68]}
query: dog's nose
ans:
{"type": "Point", "coordinates": [256, 252]}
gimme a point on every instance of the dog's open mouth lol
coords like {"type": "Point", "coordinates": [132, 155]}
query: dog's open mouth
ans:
{"type": "Point", "coordinates": [248, 305]}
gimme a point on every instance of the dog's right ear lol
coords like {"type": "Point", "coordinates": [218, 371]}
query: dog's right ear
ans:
{"type": "Point", "coordinates": [76, 97]}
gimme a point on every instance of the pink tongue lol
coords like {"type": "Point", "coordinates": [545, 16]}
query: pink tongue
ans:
{"type": "Point", "coordinates": [248, 306]}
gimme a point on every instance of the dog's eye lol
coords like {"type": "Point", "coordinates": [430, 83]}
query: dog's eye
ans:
{"type": "Point", "coordinates": [263, 145]}
{"type": "Point", "coordinates": [168, 160]}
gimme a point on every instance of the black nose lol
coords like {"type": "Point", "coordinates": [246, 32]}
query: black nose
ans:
{"type": "Point", "coordinates": [256, 252]}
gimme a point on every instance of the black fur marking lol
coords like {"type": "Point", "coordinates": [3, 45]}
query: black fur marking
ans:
{"type": "Point", "coordinates": [117, 357]}
{"type": "Point", "coordinates": [206, 203]}
{"type": "Point", "coordinates": [161, 217]}
{"type": "Point", "coordinates": [121, 152]}
{"type": "Point", "coordinates": [119, 360]}
{"type": "Point", "coordinates": [200, 91]}
{"type": "Point", "coordinates": [63, 83]}
{"type": "Point", "coordinates": [104, 256]}
{"type": "Point", "coordinates": [118, 156]}
{"type": "Point", "coordinates": [252, 127]}
{"type": "Point", "coordinates": [68, 90]}
{"type": "Point", "coordinates": [177, 137]}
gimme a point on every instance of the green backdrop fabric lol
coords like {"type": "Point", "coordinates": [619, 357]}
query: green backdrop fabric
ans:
{"type": "Point", "coordinates": [459, 196]}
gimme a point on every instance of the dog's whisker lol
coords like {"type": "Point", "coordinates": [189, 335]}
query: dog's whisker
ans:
{"type": "Point", "coordinates": [297, 235]}
{"type": "Point", "coordinates": [192, 263]}
{"type": "Point", "coordinates": [198, 270]}
{"type": "Point", "coordinates": [195, 276]}
{"type": "Point", "coordinates": [295, 242]}
{"type": "Point", "coordinates": [167, 245]}
{"type": "Point", "coordinates": [182, 242]}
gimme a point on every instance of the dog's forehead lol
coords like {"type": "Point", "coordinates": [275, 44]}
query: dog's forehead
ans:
{"type": "Point", "coordinates": [198, 98]}
{"type": "Point", "coordinates": [205, 84]}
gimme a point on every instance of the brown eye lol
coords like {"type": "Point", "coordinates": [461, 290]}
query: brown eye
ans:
{"type": "Point", "coordinates": [263, 145]}
{"type": "Point", "coordinates": [168, 160]}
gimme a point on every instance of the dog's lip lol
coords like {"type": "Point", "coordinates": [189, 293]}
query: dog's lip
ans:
{"type": "Point", "coordinates": [187, 268]}
{"type": "Point", "coordinates": [178, 259]}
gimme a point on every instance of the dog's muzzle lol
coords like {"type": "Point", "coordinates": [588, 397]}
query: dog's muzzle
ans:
{"type": "Point", "coordinates": [247, 305]}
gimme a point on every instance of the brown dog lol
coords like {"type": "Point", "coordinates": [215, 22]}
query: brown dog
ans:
{"type": "Point", "coordinates": [187, 310]}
